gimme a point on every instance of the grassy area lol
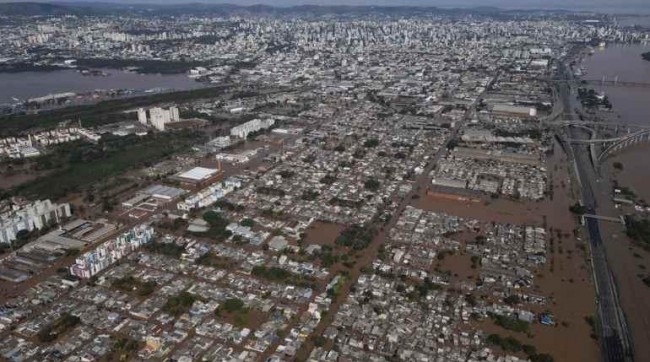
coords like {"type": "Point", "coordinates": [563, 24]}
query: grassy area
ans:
{"type": "Point", "coordinates": [131, 285]}
{"type": "Point", "coordinates": [93, 163]}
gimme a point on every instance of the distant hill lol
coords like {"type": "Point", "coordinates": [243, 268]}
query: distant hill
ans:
{"type": "Point", "coordinates": [98, 8]}
{"type": "Point", "coordinates": [34, 9]}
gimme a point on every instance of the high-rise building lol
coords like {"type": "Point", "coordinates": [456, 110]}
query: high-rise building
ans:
{"type": "Point", "coordinates": [142, 116]}
{"type": "Point", "coordinates": [173, 113]}
{"type": "Point", "coordinates": [36, 215]}
{"type": "Point", "coordinates": [159, 117]}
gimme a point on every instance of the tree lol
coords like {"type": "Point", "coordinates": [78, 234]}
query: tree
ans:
{"type": "Point", "coordinates": [371, 184]}
{"type": "Point", "coordinates": [577, 209]}
{"type": "Point", "coordinates": [373, 142]}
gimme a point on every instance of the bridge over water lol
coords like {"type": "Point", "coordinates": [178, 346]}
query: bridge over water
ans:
{"type": "Point", "coordinates": [610, 145]}
{"type": "Point", "coordinates": [604, 82]}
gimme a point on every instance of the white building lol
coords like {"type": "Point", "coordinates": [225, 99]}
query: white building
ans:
{"type": "Point", "coordinates": [159, 117]}
{"type": "Point", "coordinates": [111, 251]}
{"type": "Point", "coordinates": [142, 116]}
{"type": "Point", "coordinates": [34, 216]}
{"type": "Point", "coordinates": [219, 142]}
{"type": "Point", "coordinates": [243, 130]}
{"type": "Point", "coordinates": [173, 114]}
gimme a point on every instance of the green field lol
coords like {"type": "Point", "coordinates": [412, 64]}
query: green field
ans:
{"type": "Point", "coordinates": [105, 160]}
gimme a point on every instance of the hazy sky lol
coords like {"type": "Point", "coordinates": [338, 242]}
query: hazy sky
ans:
{"type": "Point", "coordinates": [629, 6]}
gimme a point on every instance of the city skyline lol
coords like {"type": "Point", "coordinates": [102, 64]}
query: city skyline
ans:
{"type": "Point", "coordinates": [626, 6]}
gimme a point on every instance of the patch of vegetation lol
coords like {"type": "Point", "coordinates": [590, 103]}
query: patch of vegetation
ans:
{"type": "Point", "coordinates": [310, 195]}
{"type": "Point", "coordinates": [180, 303]}
{"type": "Point", "coordinates": [592, 325]}
{"type": "Point", "coordinates": [618, 166]}
{"type": "Point", "coordinates": [286, 174]}
{"type": "Point", "coordinates": [218, 225]}
{"type": "Point", "coordinates": [590, 99]}
{"type": "Point", "coordinates": [132, 285]}
{"type": "Point", "coordinates": [577, 209]}
{"type": "Point", "coordinates": [511, 344]}
{"type": "Point", "coordinates": [279, 275]}
{"type": "Point", "coordinates": [452, 144]}
{"type": "Point", "coordinates": [328, 179]}
{"type": "Point", "coordinates": [247, 222]}
{"type": "Point", "coordinates": [476, 261]}
{"type": "Point", "coordinates": [371, 184]}
{"type": "Point", "coordinates": [421, 290]}
{"type": "Point", "coordinates": [512, 300]}
{"type": "Point", "coordinates": [510, 323]}
{"type": "Point", "coordinates": [216, 261]}
{"type": "Point", "coordinates": [235, 309]}
{"type": "Point", "coordinates": [646, 56]}
{"type": "Point", "coordinates": [370, 143]}
{"type": "Point", "coordinates": [227, 205]}
{"type": "Point", "coordinates": [123, 349]}
{"type": "Point", "coordinates": [266, 190]}
{"type": "Point", "coordinates": [357, 237]}
{"type": "Point", "coordinates": [507, 344]}
{"type": "Point", "coordinates": [335, 290]}
{"type": "Point", "coordinates": [169, 249]}
{"type": "Point", "coordinates": [353, 204]}
{"type": "Point", "coordinates": [232, 305]}
{"type": "Point", "coordinates": [638, 230]}
{"type": "Point", "coordinates": [89, 163]}
{"type": "Point", "coordinates": [61, 325]}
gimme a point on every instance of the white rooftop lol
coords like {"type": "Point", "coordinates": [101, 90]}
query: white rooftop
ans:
{"type": "Point", "coordinates": [198, 173]}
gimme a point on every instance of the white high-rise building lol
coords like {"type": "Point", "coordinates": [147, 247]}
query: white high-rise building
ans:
{"type": "Point", "coordinates": [142, 116]}
{"type": "Point", "coordinates": [159, 117]}
{"type": "Point", "coordinates": [243, 130]}
{"type": "Point", "coordinates": [36, 215]}
{"type": "Point", "coordinates": [173, 113]}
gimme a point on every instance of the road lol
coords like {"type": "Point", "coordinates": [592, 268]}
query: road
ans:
{"type": "Point", "coordinates": [615, 338]}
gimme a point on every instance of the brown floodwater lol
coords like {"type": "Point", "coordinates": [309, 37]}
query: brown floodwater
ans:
{"type": "Point", "coordinates": [631, 105]}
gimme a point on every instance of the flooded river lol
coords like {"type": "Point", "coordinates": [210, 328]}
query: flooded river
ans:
{"type": "Point", "coordinates": [26, 85]}
{"type": "Point", "coordinates": [624, 62]}
{"type": "Point", "coordinates": [630, 104]}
